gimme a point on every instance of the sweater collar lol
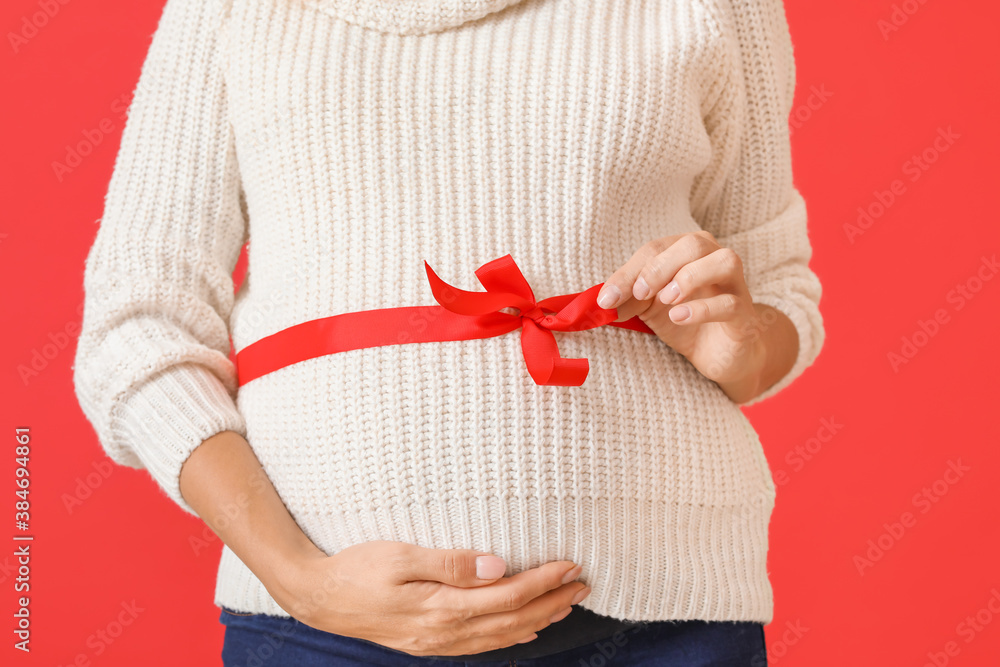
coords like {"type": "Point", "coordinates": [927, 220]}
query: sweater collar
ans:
{"type": "Point", "coordinates": [410, 17]}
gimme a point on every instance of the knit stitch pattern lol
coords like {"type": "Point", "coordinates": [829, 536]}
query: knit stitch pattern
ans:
{"type": "Point", "coordinates": [349, 142]}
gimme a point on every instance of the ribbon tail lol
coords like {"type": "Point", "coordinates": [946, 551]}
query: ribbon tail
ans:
{"type": "Point", "coordinates": [546, 367]}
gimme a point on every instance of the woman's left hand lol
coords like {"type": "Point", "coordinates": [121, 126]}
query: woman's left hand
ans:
{"type": "Point", "coordinates": [691, 292]}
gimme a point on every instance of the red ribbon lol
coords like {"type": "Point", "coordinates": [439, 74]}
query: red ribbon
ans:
{"type": "Point", "coordinates": [461, 315]}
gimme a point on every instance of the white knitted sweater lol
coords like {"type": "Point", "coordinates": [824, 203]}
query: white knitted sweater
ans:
{"type": "Point", "coordinates": [349, 141]}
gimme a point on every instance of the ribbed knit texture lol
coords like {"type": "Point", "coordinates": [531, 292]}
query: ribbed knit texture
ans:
{"type": "Point", "coordinates": [350, 141]}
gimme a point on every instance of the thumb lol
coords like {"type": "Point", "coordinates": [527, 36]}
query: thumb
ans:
{"type": "Point", "coordinates": [458, 567]}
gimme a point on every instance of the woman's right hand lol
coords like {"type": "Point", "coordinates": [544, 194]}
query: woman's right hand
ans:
{"type": "Point", "coordinates": [425, 601]}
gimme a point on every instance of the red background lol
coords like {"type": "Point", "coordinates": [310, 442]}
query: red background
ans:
{"type": "Point", "coordinates": [888, 96]}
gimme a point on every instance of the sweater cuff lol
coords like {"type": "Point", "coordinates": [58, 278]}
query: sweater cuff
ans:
{"type": "Point", "coordinates": [168, 417]}
{"type": "Point", "coordinates": [811, 336]}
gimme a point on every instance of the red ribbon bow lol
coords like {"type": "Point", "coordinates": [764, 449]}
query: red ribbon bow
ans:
{"type": "Point", "coordinates": [462, 315]}
{"type": "Point", "coordinates": [506, 287]}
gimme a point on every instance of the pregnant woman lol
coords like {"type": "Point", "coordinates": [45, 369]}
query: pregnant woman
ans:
{"type": "Point", "coordinates": [513, 268]}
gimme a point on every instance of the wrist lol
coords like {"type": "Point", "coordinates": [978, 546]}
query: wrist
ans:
{"type": "Point", "coordinates": [286, 572]}
{"type": "Point", "coordinates": [747, 384]}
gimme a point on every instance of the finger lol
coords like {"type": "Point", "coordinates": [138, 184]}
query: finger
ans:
{"type": "Point", "coordinates": [474, 645]}
{"type": "Point", "coordinates": [537, 614]}
{"type": "Point", "coordinates": [633, 307]}
{"type": "Point", "coordinates": [721, 267]}
{"type": "Point", "coordinates": [507, 594]}
{"type": "Point", "coordinates": [661, 269]}
{"type": "Point", "coordinates": [618, 288]}
{"type": "Point", "coordinates": [456, 567]}
{"type": "Point", "coordinates": [484, 644]}
{"type": "Point", "coordinates": [652, 309]}
{"type": "Point", "coordinates": [469, 628]}
{"type": "Point", "coordinates": [719, 308]}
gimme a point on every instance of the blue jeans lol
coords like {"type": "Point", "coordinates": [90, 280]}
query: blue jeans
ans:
{"type": "Point", "coordinates": [259, 640]}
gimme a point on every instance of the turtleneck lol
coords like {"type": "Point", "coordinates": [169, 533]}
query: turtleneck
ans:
{"type": "Point", "coordinates": [409, 17]}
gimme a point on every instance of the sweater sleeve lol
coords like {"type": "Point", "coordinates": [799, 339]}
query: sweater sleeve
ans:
{"type": "Point", "coordinates": [152, 371]}
{"type": "Point", "coordinates": [745, 197]}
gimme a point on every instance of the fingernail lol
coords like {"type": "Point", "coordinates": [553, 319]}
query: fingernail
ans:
{"type": "Point", "coordinates": [582, 594]}
{"type": "Point", "coordinates": [609, 296]}
{"type": "Point", "coordinates": [572, 574]}
{"type": "Point", "coordinates": [490, 567]}
{"type": "Point", "coordinates": [671, 292]}
{"type": "Point", "coordinates": [528, 639]}
{"type": "Point", "coordinates": [679, 313]}
{"type": "Point", "coordinates": [640, 290]}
